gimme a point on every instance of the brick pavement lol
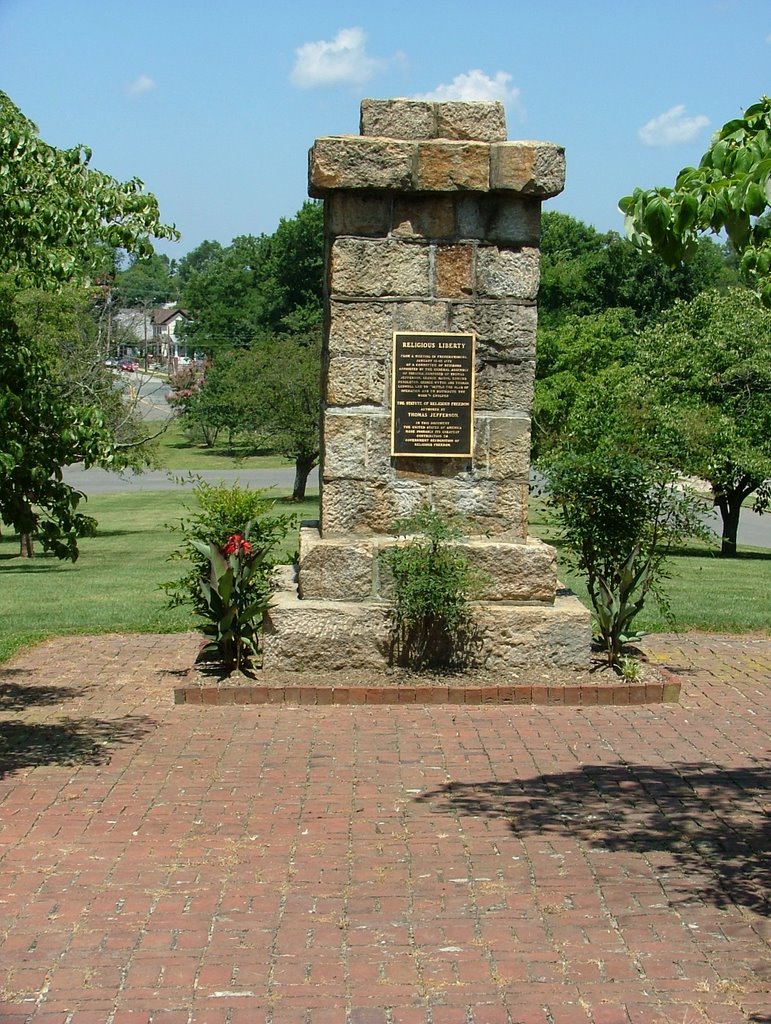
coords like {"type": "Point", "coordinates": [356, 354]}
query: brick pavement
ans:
{"type": "Point", "coordinates": [380, 865]}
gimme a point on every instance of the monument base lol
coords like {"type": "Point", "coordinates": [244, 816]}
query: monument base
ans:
{"type": "Point", "coordinates": [331, 635]}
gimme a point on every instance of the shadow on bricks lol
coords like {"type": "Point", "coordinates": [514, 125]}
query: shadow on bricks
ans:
{"type": "Point", "coordinates": [69, 741]}
{"type": "Point", "coordinates": [707, 820]}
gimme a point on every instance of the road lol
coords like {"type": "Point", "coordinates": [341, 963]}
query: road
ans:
{"type": "Point", "coordinates": [754, 530]}
{"type": "Point", "coordinates": [149, 392]}
{"type": "Point", "coordinates": [100, 481]}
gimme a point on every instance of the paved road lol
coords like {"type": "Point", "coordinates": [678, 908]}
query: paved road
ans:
{"type": "Point", "coordinates": [754, 531]}
{"type": "Point", "coordinates": [100, 481]}
{"type": "Point", "coordinates": [149, 392]}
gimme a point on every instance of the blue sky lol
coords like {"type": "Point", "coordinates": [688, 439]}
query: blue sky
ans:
{"type": "Point", "coordinates": [214, 105]}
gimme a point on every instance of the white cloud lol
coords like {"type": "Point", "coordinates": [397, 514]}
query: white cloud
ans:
{"type": "Point", "coordinates": [140, 86]}
{"type": "Point", "coordinates": [475, 85]}
{"type": "Point", "coordinates": [672, 127]}
{"type": "Point", "coordinates": [341, 61]}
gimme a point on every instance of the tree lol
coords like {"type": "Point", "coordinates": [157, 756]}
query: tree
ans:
{"type": "Point", "coordinates": [223, 298]}
{"type": "Point", "coordinates": [707, 367]}
{"type": "Point", "coordinates": [58, 217]}
{"type": "Point", "coordinates": [294, 272]}
{"type": "Point", "coordinates": [696, 398]}
{"type": "Point", "coordinates": [289, 403]}
{"type": "Point", "coordinates": [269, 393]}
{"type": "Point", "coordinates": [256, 287]}
{"type": "Point", "coordinates": [730, 190]}
{"type": "Point", "coordinates": [146, 282]}
{"type": "Point", "coordinates": [571, 356]}
{"type": "Point", "coordinates": [42, 430]}
{"type": "Point", "coordinates": [585, 273]}
{"type": "Point", "coordinates": [221, 397]}
{"type": "Point", "coordinates": [56, 209]}
{"type": "Point", "coordinates": [619, 516]}
{"type": "Point", "coordinates": [70, 326]}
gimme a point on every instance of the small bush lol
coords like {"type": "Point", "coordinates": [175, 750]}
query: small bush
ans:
{"type": "Point", "coordinates": [431, 622]}
{"type": "Point", "coordinates": [619, 518]}
{"type": "Point", "coordinates": [234, 606]}
{"type": "Point", "coordinates": [225, 512]}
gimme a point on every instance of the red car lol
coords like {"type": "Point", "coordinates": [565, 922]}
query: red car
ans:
{"type": "Point", "coordinates": [128, 365]}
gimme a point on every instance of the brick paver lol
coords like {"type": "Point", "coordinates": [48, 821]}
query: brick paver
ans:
{"type": "Point", "coordinates": [380, 865]}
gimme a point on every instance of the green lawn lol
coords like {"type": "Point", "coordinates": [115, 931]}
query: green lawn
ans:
{"type": "Point", "coordinates": [705, 592]}
{"type": "Point", "coordinates": [176, 452]}
{"type": "Point", "coordinates": [114, 584]}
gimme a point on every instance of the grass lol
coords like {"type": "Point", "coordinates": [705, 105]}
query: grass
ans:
{"type": "Point", "coordinates": [175, 452]}
{"type": "Point", "coordinates": [705, 592]}
{"type": "Point", "coordinates": [113, 587]}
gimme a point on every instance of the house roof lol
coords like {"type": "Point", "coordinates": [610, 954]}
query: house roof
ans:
{"type": "Point", "coordinates": [162, 315]}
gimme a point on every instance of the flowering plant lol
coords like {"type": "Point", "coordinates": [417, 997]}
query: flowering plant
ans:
{"type": "Point", "coordinates": [235, 597]}
{"type": "Point", "coordinates": [237, 545]}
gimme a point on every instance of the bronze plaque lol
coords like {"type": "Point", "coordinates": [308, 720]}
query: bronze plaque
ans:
{"type": "Point", "coordinates": [432, 395]}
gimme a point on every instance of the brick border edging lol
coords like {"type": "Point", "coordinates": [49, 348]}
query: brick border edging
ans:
{"type": "Point", "coordinates": [621, 694]}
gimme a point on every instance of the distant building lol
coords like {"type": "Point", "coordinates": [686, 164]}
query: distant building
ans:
{"type": "Point", "coordinates": [164, 321]}
{"type": "Point", "coordinates": [132, 331]}
{"type": "Point", "coordinates": [151, 334]}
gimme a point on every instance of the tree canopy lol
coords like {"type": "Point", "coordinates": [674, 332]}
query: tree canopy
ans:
{"type": "Point", "coordinates": [257, 286]}
{"type": "Point", "coordinates": [58, 217]}
{"type": "Point", "coordinates": [729, 191]}
{"type": "Point", "coordinates": [146, 281]}
{"type": "Point", "coordinates": [55, 209]}
{"type": "Point", "coordinates": [572, 355]}
{"type": "Point", "coordinates": [707, 366]}
{"type": "Point", "coordinates": [584, 272]}
{"type": "Point", "coordinates": [269, 392]}
{"type": "Point", "coordinates": [695, 395]}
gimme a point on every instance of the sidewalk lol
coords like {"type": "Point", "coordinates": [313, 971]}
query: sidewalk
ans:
{"type": "Point", "coordinates": [380, 865]}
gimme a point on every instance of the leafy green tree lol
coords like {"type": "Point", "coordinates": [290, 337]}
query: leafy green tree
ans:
{"type": "Point", "coordinates": [58, 218]}
{"type": "Point", "coordinates": [729, 191]}
{"type": "Point", "coordinates": [269, 394]}
{"type": "Point", "coordinates": [696, 398]}
{"type": "Point", "coordinates": [584, 273]}
{"type": "Point", "coordinates": [620, 516]}
{"type": "Point", "coordinates": [294, 272]}
{"type": "Point", "coordinates": [289, 403]}
{"type": "Point", "coordinates": [571, 356]}
{"type": "Point", "coordinates": [197, 261]}
{"type": "Point", "coordinates": [223, 298]}
{"type": "Point", "coordinates": [56, 209]}
{"type": "Point", "coordinates": [70, 325]}
{"type": "Point", "coordinates": [256, 287]}
{"type": "Point", "coordinates": [707, 367]}
{"type": "Point", "coordinates": [146, 282]}
{"type": "Point", "coordinates": [222, 397]}
{"type": "Point", "coordinates": [42, 430]}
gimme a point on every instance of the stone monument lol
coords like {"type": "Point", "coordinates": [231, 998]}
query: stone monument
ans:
{"type": "Point", "coordinates": [432, 226]}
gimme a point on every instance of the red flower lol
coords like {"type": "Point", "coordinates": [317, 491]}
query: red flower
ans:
{"type": "Point", "coordinates": [236, 545]}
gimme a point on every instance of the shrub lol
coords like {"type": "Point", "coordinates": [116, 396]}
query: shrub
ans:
{"type": "Point", "coordinates": [235, 596]}
{"type": "Point", "coordinates": [431, 622]}
{"type": "Point", "coordinates": [225, 512]}
{"type": "Point", "coordinates": [619, 517]}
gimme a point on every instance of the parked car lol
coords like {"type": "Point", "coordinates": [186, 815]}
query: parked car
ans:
{"type": "Point", "coordinates": [128, 365]}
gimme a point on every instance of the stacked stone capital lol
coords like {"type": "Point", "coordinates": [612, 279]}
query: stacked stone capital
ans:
{"type": "Point", "coordinates": [432, 224]}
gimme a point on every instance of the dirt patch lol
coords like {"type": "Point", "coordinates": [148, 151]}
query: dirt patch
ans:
{"type": "Point", "coordinates": [598, 674]}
